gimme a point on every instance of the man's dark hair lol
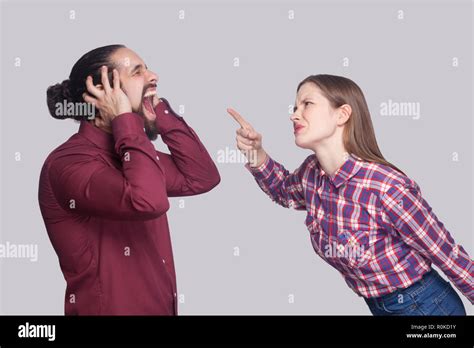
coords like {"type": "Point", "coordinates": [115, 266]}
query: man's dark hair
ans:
{"type": "Point", "coordinates": [71, 90]}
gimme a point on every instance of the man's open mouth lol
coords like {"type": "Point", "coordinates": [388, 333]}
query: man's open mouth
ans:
{"type": "Point", "coordinates": [150, 92]}
{"type": "Point", "coordinates": [148, 103]}
{"type": "Point", "coordinates": [148, 99]}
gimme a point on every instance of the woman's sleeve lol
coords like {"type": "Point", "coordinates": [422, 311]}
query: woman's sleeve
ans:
{"type": "Point", "coordinates": [419, 227]}
{"type": "Point", "coordinates": [282, 187]}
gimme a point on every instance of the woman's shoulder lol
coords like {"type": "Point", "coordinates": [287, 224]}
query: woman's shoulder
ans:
{"type": "Point", "coordinates": [310, 161]}
{"type": "Point", "coordinates": [384, 177]}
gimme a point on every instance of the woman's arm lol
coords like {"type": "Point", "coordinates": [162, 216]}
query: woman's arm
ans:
{"type": "Point", "coordinates": [282, 187]}
{"type": "Point", "coordinates": [279, 184]}
{"type": "Point", "coordinates": [419, 227]}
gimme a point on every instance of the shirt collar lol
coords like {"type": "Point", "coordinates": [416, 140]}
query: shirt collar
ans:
{"type": "Point", "coordinates": [350, 167]}
{"type": "Point", "coordinates": [97, 136]}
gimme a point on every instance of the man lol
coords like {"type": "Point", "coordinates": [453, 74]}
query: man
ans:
{"type": "Point", "coordinates": [104, 193]}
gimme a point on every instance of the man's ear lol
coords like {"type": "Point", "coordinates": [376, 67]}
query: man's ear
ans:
{"type": "Point", "coordinates": [99, 122]}
{"type": "Point", "coordinates": [345, 112]}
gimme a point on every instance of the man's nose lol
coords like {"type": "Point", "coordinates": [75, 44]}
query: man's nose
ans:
{"type": "Point", "coordinates": [152, 77]}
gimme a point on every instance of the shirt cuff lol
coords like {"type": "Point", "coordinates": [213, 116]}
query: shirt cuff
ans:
{"type": "Point", "coordinates": [126, 124]}
{"type": "Point", "coordinates": [263, 170]}
{"type": "Point", "coordinates": [166, 118]}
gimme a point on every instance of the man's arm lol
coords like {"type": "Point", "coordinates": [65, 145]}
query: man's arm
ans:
{"type": "Point", "coordinates": [189, 169]}
{"type": "Point", "coordinates": [85, 185]}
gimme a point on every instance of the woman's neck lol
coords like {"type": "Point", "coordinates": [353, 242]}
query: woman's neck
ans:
{"type": "Point", "coordinates": [331, 155]}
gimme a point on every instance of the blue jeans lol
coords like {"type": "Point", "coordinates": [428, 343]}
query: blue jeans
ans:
{"type": "Point", "coordinates": [431, 295]}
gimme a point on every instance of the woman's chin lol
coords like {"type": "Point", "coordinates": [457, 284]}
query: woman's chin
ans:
{"type": "Point", "coordinates": [300, 142]}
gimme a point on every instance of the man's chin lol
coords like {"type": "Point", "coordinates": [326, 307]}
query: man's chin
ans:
{"type": "Point", "coordinates": [150, 124]}
{"type": "Point", "coordinates": [150, 129]}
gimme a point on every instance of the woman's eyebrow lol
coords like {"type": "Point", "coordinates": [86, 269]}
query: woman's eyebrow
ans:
{"type": "Point", "coordinates": [305, 98]}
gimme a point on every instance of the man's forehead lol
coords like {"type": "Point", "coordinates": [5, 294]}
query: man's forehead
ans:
{"type": "Point", "coordinates": [127, 59]}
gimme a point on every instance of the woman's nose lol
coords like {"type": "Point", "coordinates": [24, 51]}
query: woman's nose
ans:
{"type": "Point", "coordinates": [294, 117]}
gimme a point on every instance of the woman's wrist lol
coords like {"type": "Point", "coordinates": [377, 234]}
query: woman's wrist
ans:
{"type": "Point", "coordinates": [259, 159]}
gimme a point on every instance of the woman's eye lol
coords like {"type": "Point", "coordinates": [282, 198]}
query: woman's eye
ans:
{"type": "Point", "coordinates": [307, 103]}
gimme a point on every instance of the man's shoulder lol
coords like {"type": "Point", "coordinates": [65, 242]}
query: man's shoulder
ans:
{"type": "Point", "coordinates": [76, 146]}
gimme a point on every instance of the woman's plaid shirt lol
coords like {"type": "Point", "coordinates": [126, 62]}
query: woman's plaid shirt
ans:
{"type": "Point", "coordinates": [370, 222]}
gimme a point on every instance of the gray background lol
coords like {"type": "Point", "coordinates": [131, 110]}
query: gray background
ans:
{"type": "Point", "coordinates": [402, 60]}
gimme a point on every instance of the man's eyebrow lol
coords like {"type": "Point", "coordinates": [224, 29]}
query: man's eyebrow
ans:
{"type": "Point", "coordinates": [137, 67]}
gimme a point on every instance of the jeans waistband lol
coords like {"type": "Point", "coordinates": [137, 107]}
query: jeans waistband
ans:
{"type": "Point", "coordinates": [414, 288]}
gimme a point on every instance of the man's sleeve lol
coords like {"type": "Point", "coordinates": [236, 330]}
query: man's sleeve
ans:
{"type": "Point", "coordinates": [189, 169]}
{"type": "Point", "coordinates": [84, 184]}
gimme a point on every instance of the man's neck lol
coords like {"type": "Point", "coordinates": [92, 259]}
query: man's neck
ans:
{"type": "Point", "coordinates": [102, 127]}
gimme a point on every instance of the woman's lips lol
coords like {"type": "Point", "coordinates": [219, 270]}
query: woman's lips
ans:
{"type": "Point", "coordinates": [298, 128]}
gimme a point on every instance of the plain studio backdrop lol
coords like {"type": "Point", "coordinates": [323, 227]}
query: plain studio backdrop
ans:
{"type": "Point", "coordinates": [236, 251]}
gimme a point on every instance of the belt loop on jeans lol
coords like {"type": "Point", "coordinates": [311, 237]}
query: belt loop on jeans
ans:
{"type": "Point", "coordinates": [424, 282]}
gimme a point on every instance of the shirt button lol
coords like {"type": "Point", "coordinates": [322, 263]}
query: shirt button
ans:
{"type": "Point", "coordinates": [158, 158]}
{"type": "Point", "coordinates": [164, 261]}
{"type": "Point", "coordinates": [167, 112]}
{"type": "Point", "coordinates": [174, 294]}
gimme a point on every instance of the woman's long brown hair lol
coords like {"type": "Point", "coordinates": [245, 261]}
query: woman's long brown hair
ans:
{"type": "Point", "coordinates": [358, 136]}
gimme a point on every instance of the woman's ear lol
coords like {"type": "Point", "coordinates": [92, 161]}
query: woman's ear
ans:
{"type": "Point", "coordinates": [345, 112]}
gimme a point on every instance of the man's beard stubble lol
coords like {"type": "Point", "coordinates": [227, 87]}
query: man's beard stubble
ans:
{"type": "Point", "coordinates": [147, 104]}
{"type": "Point", "coordinates": [150, 129]}
{"type": "Point", "coordinates": [150, 126]}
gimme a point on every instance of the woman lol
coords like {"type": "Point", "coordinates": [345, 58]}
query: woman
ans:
{"type": "Point", "coordinates": [366, 218]}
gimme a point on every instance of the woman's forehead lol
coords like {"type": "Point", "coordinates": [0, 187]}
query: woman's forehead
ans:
{"type": "Point", "coordinates": [308, 90]}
